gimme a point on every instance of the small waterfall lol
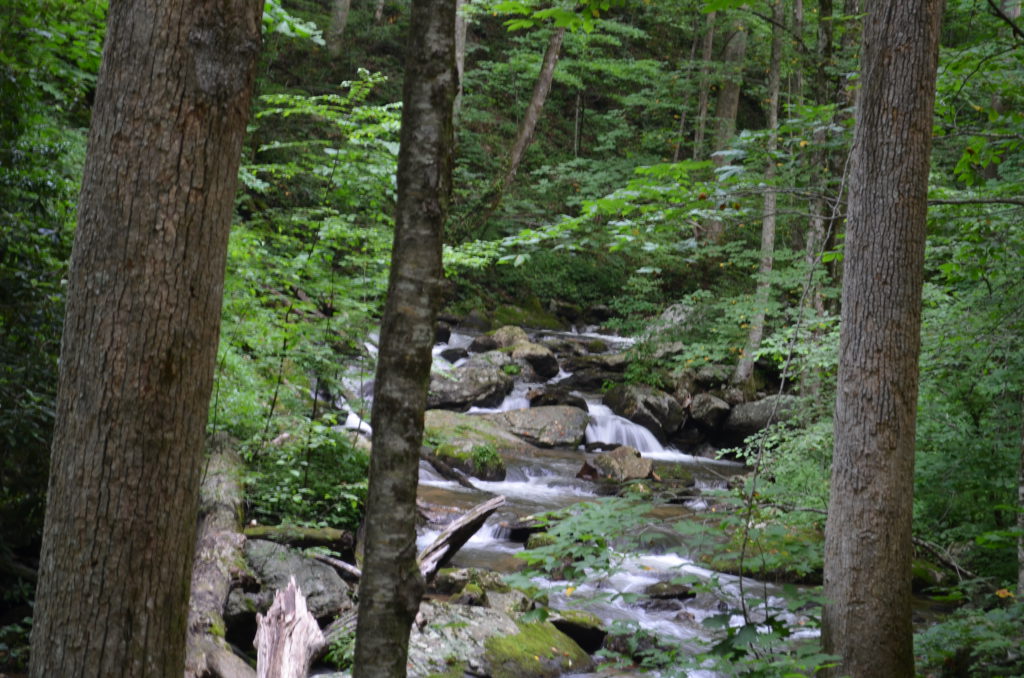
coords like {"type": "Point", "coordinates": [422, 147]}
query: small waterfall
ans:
{"type": "Point", "coordinates": [608, 427]}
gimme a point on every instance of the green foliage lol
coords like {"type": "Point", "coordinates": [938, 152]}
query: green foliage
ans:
{"type": "Point", "coordinates": [14, 645]}
{"type": "Point", "coordinates": [342, 652]}
{"type": "Point", "coordinates": [315, 477]}
{"type": "Point", "coordinates": [978, 641]}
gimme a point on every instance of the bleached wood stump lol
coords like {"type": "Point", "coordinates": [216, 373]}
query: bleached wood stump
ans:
{"type": "Point", "coordinates": [288, 637]}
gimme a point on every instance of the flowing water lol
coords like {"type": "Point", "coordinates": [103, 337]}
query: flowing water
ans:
{"type": "Point", "coordinates": [547, 481]}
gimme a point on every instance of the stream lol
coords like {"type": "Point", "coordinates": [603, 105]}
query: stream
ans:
{"type": "Point", "coordinates": [548, 481]}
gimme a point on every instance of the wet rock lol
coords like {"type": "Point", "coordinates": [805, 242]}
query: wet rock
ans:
{"type": "Point", "coordinates": [622, 463]}
{"type": "Point", "coordinates": [583, 627]}
{"type": "Point", "coordinates": [483, 344]}
{"type": "Point", "coordinates": [540, 358]}
{"type": "Point", "coordinates": [647, 406]}
{"type": "Point", "coordinates": [592, 379]}
{"type": "Point", "coordinates": [597, 314]}
{"type": "Point", "coordinates": [609, 362]}
{"type": "Point", "coordinates": [443, 426]}
{"type": "Point", "coordinates": [556, 396]}
{"type": "Point", "coordinates": [509, 336]}
{"type": "Point", "coordinates": [442, 333]}
{"type": "Point", "coordinates": [707, 411]}
{"type": "Point", "coordinates": [480, 460]}
{"type": "Point", "coordinates": [555, 426]}
{"type": "Point", "coordinates": [666, 590]}
{"type": "Point", "coordinates": [454, 355]}
{"type": "Point", "coordinates": [481, 381]}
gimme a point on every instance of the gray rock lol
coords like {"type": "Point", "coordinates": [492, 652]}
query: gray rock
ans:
{"type": "Point", "coordinates": [510, 335]}
{"type": "Point", "coordinates": [622, 463]}
{"type": "Point", "coordinates": [708, 411]}
{"type": "Point", "coordinates": [483, 344]}
{"type": "Point", "coordinates": [647, 406]}
{"type": "Point", "coordinates": [327, 595]}
{"type": "Point", "coordinates": [481, 381]}
{"type": "Point", "coordinates": [749, 418]}
{"type": "Point", "coordinates": [556, 396]}
{"type": "Point", "coordinates": [452, 634]}
{"type": "Point", "coordinates": [540, 358]}
{"type": "Point", "coordinates": [554, 426]}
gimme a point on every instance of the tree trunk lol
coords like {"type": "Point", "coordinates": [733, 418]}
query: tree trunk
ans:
{"type": "Point", "coordinates": [677, 151]}
{"type": "Point", "coordinates": [288, 638]}
{"type": "Point", "coordinates": [798, 30]}
{"type": "Point", "coordinates": [1020, 510]}
{"type": "Point", "coordinates": [705, 88]}
{"type": "Point", "coordinates": [461, 28]}
{"type": "Point", "coordinates": [218, 553]}
{"type": "Point", "coordinates": [867, 620]}
{"type": "Point", "coordinates": [529, 124]}
{"type": "Point", "coordinates": [745, 367]}
{"type": "Point", "coordinates": [140, 337]}
{"type": "Point", "coordinates": [378, 12]}
{"type": "Point", "coordinates": [391, 585]}
{"type": "Point", "coordinates": [339, 21]}
{"type": "Point", "coordinates": [727, 106]}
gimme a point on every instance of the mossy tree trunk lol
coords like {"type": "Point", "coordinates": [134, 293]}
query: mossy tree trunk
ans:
{"type": "Point", "coordinates": [140, 337]}
{"type": "Point", "coordinates": [391, 585]}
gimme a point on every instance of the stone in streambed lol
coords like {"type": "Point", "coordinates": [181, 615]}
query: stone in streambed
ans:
{"type": "Point", "coordinates": [622, 463]}
{"type": "Point", "coordinates": [537, 651]}
{"type": "Point", "coordinates": [708, 411]}
{"type": "Point", "coordinates": [645, 405]}
{"type": "Point", "coordinates": [554, 426]}
{"type": "Point", "coordinates": [481, 381]}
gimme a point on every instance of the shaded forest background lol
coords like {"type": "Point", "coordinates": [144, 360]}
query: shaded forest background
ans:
{"type": "Point", "coordinates": [634, 200]}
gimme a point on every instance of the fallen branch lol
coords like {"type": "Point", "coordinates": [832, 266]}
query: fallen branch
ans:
{"type": "Point", "coordinates": [944, 559]}
{"type": "Point", "coordinates": [343, 568]}
{"type": "Point", "coordinates": [455, 536]}
{"type": "Point", "coordinates": [446, 470]}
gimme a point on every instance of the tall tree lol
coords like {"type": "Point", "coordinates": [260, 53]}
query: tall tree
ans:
{"type": "Point", "coordinates": [868, 534]}
{"type": "Point", "coordinates": [707, 45]}
{"type": "Point", "coordinates": [140, 336]}
{"type": "Point", "coordinates": [745, 366]}
{"type": "Point", "coordinates": [391, 586]}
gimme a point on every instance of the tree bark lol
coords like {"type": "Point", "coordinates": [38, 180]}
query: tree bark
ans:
{"type": "Point", "coordinates": [867, 620]}
{"type": "Point", "coordinates": [727, 105]}
{"type": "Point", "coordinates": [745, 366]}
{"type": "Point", "coordinates": [339, 21]}
{"type": "Point", "coordinates": [140, 337]}
{"type": "Point", "coordinates": [705, 88]}
{"type": "Point", "coordinates": [1020, 509]}
{"type": "Point", "coordinates": [218, 553]}
{"type": "Point", "coordinates": [288, 638]}
{"type": "Point", "coordinates": [391, 585]}
{"type": "Point", "coordinates": [461, 29]}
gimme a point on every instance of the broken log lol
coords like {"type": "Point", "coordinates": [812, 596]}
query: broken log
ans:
{"type": "Point", "coordinates": [347, 571]}
{"type": "Point", "coordinates": [339, 541]}
{"type": "Point", "coordinates": [432, 558]}
{"type": "Point", "coordinates": [218, 553]}
{"type": "Point", "coordinates": [288, 637]}
{"type": "Point", "coordinates": [445, 469]}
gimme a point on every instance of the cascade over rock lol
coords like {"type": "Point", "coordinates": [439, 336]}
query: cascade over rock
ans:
{"type": "Point", "coordinates": [647, 406]}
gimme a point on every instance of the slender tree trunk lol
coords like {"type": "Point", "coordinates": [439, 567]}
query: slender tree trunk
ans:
{"type": "Point", "coordinates": [391, 585]}
{"type": "Point", "coordinates": [705, 88]}
{"type": "Point", "coordinates": [677, 151]}
{"type": "Point", "coordinates": [461, 28]}
{"type": "Point", "coordinates": [577, 130]}
{"type": "Point", "coordinates": [745, 367]}
{"type": "Point", "coordinates": [798, 29]}
{"type": "Point", "coordinates": [540, 94]}
{"type": "Point", "coordinates": [140, 337]}
{"type": "Point", "coordinates": [378, 12]}
{"type": "Point", "coordinates": [727, 106]}
{"type": "Point", "coordinates": [336, 32]}
{"type": "Point", "coordinates": [867, 620]}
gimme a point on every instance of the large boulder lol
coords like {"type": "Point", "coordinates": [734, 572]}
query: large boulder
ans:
{"type": "Point", "coordinates": [621, 464]}
{"type": "Point", "coordinates": [748, 418]}
{"type": "Point", "coordinates": [453, 636]}
{"type": "Point", "coordinates": [647, 406]}
{"type": "Point", "coordinates": [708, 411]}
{"type": "Point", "coordinates": [510, 335]}
{"type": "Point", "coordinates": [481, 381]}
{"type": "Point", "coordinates": [538, 650]}
{"type": "Point", "coordinates": [554, 426]}
{"type": "Point", "coordinates": [557, 395]}
{"type": "Point", "coordinates": [478, 459]}
{"type": "Point", "coordinates": [443, 426]}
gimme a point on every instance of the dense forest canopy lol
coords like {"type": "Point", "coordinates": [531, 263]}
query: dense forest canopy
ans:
{"type": "Point", "coordinates": [641, 194]}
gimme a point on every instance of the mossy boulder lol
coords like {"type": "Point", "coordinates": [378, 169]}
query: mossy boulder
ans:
{"type": "Point", "coordinates": [443, 426]}
{"type": "Point", "coordinates": [584, 627]}
{"type": "Point", "coordinates": [510, 335]}
{"type": "Point", "coordinates": [480, 460]}
{"type": "Point", "coordinates": [552, 426]}
{"type": "Point", "coordinates": [529, 314]}
{"type": "Point", "coordinates": [481, 381]}
{"type": "Point", "coordinates": [539, 650]}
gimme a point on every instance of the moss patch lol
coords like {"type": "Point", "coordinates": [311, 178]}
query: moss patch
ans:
{"type": "Point", "coordinates": [530, 314]}
{"type": "Point", "coordinates": [456, 670]}
{"type": "Point", "coordinates": [537, 651]}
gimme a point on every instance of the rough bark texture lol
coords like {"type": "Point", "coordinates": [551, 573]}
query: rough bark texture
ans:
{"type": "Point", "coordinates": [391, 586]}
{"type": "Point", "coordinates": [218, 555]}
{"type": "Point", "coordinates": [868, 539]}
{"type": "Point", "coordinates": [140, 337]}
{"type": "Point", "coordinates": [727, 105]}
{"type": "Point", "coordinates": [461, 31]}
{"type": "Point", "coordinates": [745, 366]}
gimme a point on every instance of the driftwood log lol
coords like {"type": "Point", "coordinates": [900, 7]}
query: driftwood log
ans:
{"type": "Point", "coordinates": [339, 541]}
{"type": "Point", "coordinates": [432, 558]}
{"type": "Point", "coordinates": [288, 637]}
{"type": "Point", "coordinates": [218, 553]}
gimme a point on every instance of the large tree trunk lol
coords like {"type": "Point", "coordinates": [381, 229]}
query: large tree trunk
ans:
{"type": "Point", "coordinates": [1020, 509]}
{"type": "Point", "coordinates": [867, 620]}
{"type": "Point", "coordinates": [745, 366]}
{"type": "Point", "coordinates": [140, 337]}
{"type": "Point", "coordinates": [705, 87]}
{"type": "Point", "coordinates": [391, 586]}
